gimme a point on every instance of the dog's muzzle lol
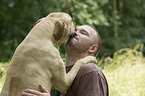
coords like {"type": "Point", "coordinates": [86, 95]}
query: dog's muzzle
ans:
{"type": "Point", "coordinates": [72, 35]}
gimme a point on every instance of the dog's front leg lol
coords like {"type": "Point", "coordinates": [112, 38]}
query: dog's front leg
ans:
{"type": "Point", "coordinates": [65, 80]}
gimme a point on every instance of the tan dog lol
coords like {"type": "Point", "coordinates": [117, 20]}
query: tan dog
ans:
{"type": "Point", "coordinates": [37, 61]}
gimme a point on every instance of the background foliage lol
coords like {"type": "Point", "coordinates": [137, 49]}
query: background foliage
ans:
{"type": "Point", "coordinates": [119, 22]}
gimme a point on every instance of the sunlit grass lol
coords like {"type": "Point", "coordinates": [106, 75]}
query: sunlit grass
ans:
{"type": "Point", "coordinates": [127, 80]}
{"type": "Point", "coordinates": [125, 73]}
{"type": "Point", "coordinates": [3, 68]}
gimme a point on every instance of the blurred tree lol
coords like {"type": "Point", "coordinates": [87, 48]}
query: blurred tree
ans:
{"type": "Point", "coordinates": [85, 11]}
{"type": "Point", "coordinates": [126, 20]}
{"type": "Point", "coordinates": [17, 18]}
{"type": "Point", "coordinates": [119, 22]}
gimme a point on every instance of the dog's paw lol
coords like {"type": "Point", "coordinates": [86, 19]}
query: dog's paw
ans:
{"type": "Point", "coordinates": [88, 59]}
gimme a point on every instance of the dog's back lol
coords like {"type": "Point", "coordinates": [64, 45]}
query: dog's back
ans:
{"type": "Point", "coordinates": [30, 63]}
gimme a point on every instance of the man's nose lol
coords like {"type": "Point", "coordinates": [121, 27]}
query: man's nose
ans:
{"type": "Point", "coordinates": [77, 33]}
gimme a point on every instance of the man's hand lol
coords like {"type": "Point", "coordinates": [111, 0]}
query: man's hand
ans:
{"type": "Point", "coordinates": [30, 92]}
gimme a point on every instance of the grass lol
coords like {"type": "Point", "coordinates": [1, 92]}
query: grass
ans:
{"type": "Point", "coordinates": [126, 80]}
{"type": "Point", "coordinates": [3, 68]}
{"type": "Point", "coordinates": [125, 73]}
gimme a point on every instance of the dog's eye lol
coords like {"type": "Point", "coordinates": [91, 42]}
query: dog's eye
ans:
{"type": "Point", "coordinates": [74, 25]}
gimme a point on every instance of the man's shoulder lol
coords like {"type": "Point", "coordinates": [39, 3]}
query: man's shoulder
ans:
{"type": "Point", "coordinates": [90, 68]}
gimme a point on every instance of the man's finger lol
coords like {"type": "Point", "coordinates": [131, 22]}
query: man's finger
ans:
{"type": "Point", "coordinates": [43, 89]}
{"type": "Point", "coordinates": [33, 92]}
{"type": "Point", "coordinates": [27, 94]}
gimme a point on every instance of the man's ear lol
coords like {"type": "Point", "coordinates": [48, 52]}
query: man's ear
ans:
{"type": "Point", "coordinates": [58, 30]}
{"type": "Point", "coordinates": [93, 48]}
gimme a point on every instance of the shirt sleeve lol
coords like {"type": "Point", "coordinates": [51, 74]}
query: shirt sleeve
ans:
{"type": "Point", "coordinates": [90, 84]}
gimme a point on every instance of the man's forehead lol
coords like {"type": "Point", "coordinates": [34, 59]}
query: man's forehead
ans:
{"type": "Point", "coordinates": [87, 28]}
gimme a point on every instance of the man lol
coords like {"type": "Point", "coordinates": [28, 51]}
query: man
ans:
{"type": "Point", "coordinates": [90, 81]}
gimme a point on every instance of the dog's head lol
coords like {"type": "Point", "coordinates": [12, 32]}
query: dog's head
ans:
{"type": "Point", "coordinates": [64, 27]}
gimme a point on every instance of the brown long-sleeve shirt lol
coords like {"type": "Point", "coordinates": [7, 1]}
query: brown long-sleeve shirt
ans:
{"type": "Point", "coordinates": [90, 81]}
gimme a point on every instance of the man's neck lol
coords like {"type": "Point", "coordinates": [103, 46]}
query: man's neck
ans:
{"type": "Point", "coordinates": [71, 59]}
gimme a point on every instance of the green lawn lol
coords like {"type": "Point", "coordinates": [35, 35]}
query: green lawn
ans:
{"type": "Point", "coordinates": [3, 67]}
{"type": "Point", "coordinates": [125, 73]}
{"type": "Point", "coordinates": [126, 80]}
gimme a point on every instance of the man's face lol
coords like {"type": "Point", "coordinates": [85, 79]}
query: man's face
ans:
{"type": "Point", "coordinates": [82, 40]}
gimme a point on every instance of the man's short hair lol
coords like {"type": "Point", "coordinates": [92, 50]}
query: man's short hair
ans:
{"type": "Point", "coordinates": [99, 43]}
{"type": "Point", "coordinates": [97, 40]}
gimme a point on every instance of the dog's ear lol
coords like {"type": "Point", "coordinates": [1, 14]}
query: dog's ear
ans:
{"type": "Point", "coordinates": [59, 29]}
{"type": "Point", "coordinates": [38, 21]}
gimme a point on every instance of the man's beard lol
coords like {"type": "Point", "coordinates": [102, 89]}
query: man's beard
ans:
{"type": "Point", "coordinates": [76, 47]}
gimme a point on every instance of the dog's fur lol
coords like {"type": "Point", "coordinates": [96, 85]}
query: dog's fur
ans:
{"type": "Point", "coordinates": [37, 60]}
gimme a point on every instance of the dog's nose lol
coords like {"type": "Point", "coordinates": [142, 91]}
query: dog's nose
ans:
{"type": "Point", "coordinates": [72, 35]}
